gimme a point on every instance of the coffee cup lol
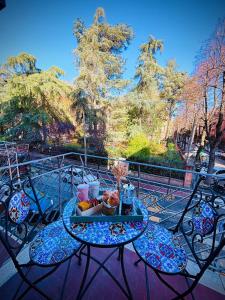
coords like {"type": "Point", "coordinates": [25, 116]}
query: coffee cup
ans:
{"type": "Point", "coordinates": [94, 189]}
{"type": "Point", "coordinates": [82, 192]}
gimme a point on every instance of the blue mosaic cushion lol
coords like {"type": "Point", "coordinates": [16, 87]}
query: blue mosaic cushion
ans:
{"type": "Point", "coordinates": [19, 206]}
{"type": "Point", "coordinates": [161, 249]}
{"type": "Point", "coordinates": [105, 234]}
{"type": "Point", "coordinates": [52, 245]}
{"type": "Point", "coordinates": [203, 218]}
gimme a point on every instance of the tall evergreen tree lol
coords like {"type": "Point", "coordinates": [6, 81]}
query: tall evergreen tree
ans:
{"type": "Point", "coordinates": [148, 69]}
{"type": "Point", "coordinates": [173, 83]}
{"type": "Point", "coordinates": [98, 57]}
{"type": "Point", "coordinates": [100, 65]}
{"type": "Point", "coordinates": [147, 110]}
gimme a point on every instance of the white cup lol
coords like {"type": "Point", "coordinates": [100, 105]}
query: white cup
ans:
{"type": "Point", "coordinates": [94, 189]}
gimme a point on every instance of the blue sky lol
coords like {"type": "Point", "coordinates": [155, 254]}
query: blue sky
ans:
{"type": "Point", "coordinates": [44, 28]}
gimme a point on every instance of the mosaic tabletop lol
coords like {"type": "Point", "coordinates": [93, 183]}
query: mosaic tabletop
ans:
{"type": "Point", "coordinates": [105, 234]}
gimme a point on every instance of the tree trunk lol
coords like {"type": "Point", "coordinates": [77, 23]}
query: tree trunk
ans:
{"type": "Point", "coordinates": [191, 138]}
{"type": "Point", "coordinates": [167, 127]}
{"type": "Point", "coordinates": [203, 138]}
{"type": "Point", "coordinates": [212, 158]}
{"type": "Point", "coordinates": [201, 147]}
{"type": "Point", "coordinates": [169, 118]}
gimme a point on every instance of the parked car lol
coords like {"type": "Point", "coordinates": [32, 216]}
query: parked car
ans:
{"type": "Point", "coordinates": [219, 181]}
{"type": "Point", "coordinates": [220, 174]}
{"type": "Point", "coordinates": [79, 176]}
{"type": "Point", "coordinates": [220, 154]}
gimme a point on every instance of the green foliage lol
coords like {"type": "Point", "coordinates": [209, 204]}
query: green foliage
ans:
{"type": "Point", "coordinates": [141, 149]}
{"type": "Point", "coordinates": [114, 152]}
{"type": "Point", "coordinates": [145, 115]}
{"type": "Point", "coordinates": [129, 124]}
{"type": "Point", "coordinates": [74, 146]}
{"type": "Point", "coordinates": [173, 83]}
{"type": "Point", "coordinates": [138, 146]}
{"type": "Point", "coordinates": [23, 63]}
{"type": "Point", "coordinates": [32, 99]}
{"type": "Point", "coordinates": [117, 129]}
{"type": "Point", "coordinates": [148, 70]}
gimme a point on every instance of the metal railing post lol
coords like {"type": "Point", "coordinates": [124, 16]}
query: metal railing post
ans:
{"type": "Point", "coordinates": [169, 181]}
{"type": "Point", "coordinates": [72, 182]}
{"type": "Point", "coordinates": [139, 176]}
{"type": "Point", "coordinates": [59, 196]}
{"type": "Point", "coordinates": [98, 170]}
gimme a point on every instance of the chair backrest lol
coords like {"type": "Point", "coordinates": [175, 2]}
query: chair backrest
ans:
{"type": "Point", "coordinates": [16, 230]}
{"type": "Point", "coordinates": [202, 225]}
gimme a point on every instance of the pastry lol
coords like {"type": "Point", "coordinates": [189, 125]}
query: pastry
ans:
{"type": "Point", "coordinates": [84, 205]}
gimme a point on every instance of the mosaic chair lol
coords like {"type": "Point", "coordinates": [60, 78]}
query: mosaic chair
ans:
{"type": "Point", "coordinates": [169, 252]}
{"type": "Point", "coordinates": [48, 246]}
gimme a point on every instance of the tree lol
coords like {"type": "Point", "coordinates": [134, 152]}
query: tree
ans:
{"type": "Point", "coordinates": [210, 71]}
{"type": "Point", "coordinates": [191, 113]}
{"type": "Point", "coordinates": [100, 64]}
{"type": "Point", "coordinates": [32, 99]}
{"type": "Point", "coordinates": [22, 64]}
{"type": "Point", "coordinates": [172, 85]}
{"type": "Point", "coordinates": [146, 109]}
{"type": "Point", "coordinates": [148, 70]}
{"type": "Point", "coordinates": [98, 57]}
{"type": "Point", "coordinates": [117, 126]}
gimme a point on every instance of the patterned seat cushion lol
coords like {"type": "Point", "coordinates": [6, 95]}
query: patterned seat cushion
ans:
{"type": "Point", "coordinates": [19, 206]}
{"type": "Point", "coordinates": [161, 249]}
{"type": "Point", "coordinates": [52, 245]}
{"type": "Point", "coordinates": [203, 218]}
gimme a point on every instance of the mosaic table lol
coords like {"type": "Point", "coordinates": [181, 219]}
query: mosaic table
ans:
{"type": "Point", "coordinates": [104, 235]}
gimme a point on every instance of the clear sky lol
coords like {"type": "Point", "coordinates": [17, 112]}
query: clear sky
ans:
{"type": "Point", "coordinates": [44, 28]}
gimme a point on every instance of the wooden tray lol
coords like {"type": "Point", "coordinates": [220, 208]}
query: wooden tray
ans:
{"type": "Point", "coordinates": [138, 217]}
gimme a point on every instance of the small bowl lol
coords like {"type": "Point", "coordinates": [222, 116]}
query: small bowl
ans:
{"type": "Point", "coordinates": [108, 210]}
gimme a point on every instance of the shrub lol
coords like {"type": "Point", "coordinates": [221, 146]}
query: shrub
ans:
{"type": "Point", "coordinates": [140, 149]}
{"type": "Point", "coordinates": [136, 144]}
{"type": "Point", "coordinates": [156, 148]}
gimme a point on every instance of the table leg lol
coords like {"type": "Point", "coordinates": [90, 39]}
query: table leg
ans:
{"type": "Point", "coordinates": [79, 296]}
{"type": "Point", "coordinates": [123, 271]}
{"type": "Point", "coordinates": [102, 266]}
{"type": "Point", "coordinates": [119, 255]}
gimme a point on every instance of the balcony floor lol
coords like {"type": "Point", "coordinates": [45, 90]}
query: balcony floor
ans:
{"type": "Point", "coordinates": [103, 287]}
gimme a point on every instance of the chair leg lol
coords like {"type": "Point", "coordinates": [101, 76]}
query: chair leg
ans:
{"type": "Point", "coordinates": [147, 283]}
{"type": "Point", "coordinates": [188, 291]}
{"type": "Point", "coordinates": [189, 286]}
{"type": "Point", "coordinates": [65, 279]}
{"type": "Point", "coordinates": [137, 262]}
{"type": "Point", "coordinates": [169, 286]}
{"type": "Point", "coordinates": [80, 292]}
{"type": "Point", "coordinates": [21, 284]}
{"type": "Point", "coordinates": [32, 285]}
